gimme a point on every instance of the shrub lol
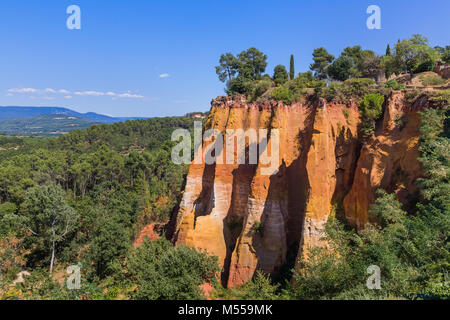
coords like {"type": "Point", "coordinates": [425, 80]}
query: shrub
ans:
{"type": "Point", "coordinates": [440, 98]}
{"type": "Point", "coordinates": [260, 88]}
{"type": "Point", "coordinates": [371, 108]}
{"type": "Point", "coordinates": [282, 94]}
{"type": "Point", "coordinates": [239, 85]}
{"type": "Point", "coordinates": [333, 91]}
{"type": "Point", "coordinates": [412, 95]}
{"type": "Point", "coordinates": [433, 81]}
{"type": "Point", "coordinates": [394, 85]}
{"type": "Point", "coordinates": [259, 288]}
{"type": "Point", "coordinates": [258, 228]}
{"type": "Point", "coordinates": [318, 86]}
{"type": "Point", "coordinates": [400, 121]}
{"type": "Point", "coordinates": [425, 66]}
{"type": "Point", "coordinates": [358, 87]}
{"type": "Point", "coordinates": [346, 113]}
{"type": "Point", "coordinates": [161, 272]}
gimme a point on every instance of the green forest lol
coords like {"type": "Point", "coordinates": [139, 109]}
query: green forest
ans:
{"type": "Point", "coordinates": [82, 199]}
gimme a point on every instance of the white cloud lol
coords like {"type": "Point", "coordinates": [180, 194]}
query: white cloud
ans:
{"type": "Point", "coordinates": [68, 94]}
{"type": "Point", "coordinates": [131, 96]}
{"type": "Point", "coordinates": [164, 75]}
{"type": "Point", "coordinates": [23, 90]}
{"type": "Point", "coordinates": [90, 93]}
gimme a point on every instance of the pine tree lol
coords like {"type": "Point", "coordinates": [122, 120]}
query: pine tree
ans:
{"type": "Point", "coordinates": [388, 50]}
{"type": "Point", "coordinates": [292, 68]}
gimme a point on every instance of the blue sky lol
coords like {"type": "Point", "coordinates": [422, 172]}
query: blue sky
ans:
{"type": "Point", "coordinates": [156, 58]}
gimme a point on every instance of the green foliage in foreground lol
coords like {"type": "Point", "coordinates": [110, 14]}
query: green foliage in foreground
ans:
{"type": "Point", "coordinates": [113, 179]}
{"type": "Point", "coordinates": [162, 272]}
{"type": "Point", "coordinates": [260, 287]}
{"type": "Point", "coordinates": [48, 217]}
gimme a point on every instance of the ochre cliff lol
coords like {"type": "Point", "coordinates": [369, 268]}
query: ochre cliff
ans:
{"type": "Point", "coordinates": [388, 159]}
{"type": "Point", "coordinates": [252, 221]}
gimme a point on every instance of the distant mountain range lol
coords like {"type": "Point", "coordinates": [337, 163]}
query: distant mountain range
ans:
{"type": "Point", "coordinates": [46, 125]}
{"type": "Point", "coordinates": [49, 121]}
{"type": "Point", "coordinates": [31, 112]}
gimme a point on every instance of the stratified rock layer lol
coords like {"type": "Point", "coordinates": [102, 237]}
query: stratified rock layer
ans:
{"type": "Point", "coordinates": [252, 221]}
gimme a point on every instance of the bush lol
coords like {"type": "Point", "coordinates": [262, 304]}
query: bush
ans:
{"type": "Point", "coordinates": [258, 228]}
{"type": "Point", "coordinates": [349, 89]}
{"type": "Point", "coordinates": [259, 288]}
{"type": "Point", "coordinates": [358, 87]}
{"type": "Point", "coordinates": [318, 86]}
{"type": "Point", "coordinates": [394, 85]}
{"type": "Point", "coordinates": [282, 94]}
{"type": "Point", "coordinates": [440, 98]}
{"type": "Point", "coordinates": [239, 85]}
{"type": "Point", "coordinates": [159, 271]}
{"type": "Point", "coordinates": [433, 81]}
{"type": "Point", "coordinates": [260, 88]}
{"type": "Point", "coordinates": [425, 66]}
{"type": "Point", "coordinates": [333, 91]}
{"type": "Point", "coordinates": [371, 108]}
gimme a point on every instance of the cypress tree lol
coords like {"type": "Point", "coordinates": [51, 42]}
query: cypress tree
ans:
{"type": "Point", "coordinates": [292, 68]}
{"type": "Point", "coordinates": [388, 50]}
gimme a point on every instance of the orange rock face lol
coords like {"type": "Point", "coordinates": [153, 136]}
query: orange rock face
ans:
{"type": "Point", "coordinates": [252, 221]}
{"type": "Point", "coordinates": [148, 232]}
{"type": "Point", "coordinates": [388, 160]}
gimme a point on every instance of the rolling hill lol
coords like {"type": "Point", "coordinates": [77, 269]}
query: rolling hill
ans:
{"type": "Point", "coordinates": [44, 125]}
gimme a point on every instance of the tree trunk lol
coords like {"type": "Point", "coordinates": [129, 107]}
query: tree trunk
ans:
{"type": "Point", "coordinates": [53, 252]}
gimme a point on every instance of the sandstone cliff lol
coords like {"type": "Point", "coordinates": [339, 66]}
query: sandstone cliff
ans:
{"type": "Point", "coordinates": [253, 221]}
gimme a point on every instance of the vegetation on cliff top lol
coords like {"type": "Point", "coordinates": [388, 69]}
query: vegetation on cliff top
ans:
{"type": "Point", "coordinates": [348, 76]}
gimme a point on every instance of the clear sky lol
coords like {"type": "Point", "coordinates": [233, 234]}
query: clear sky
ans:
{"type": "Point", "coordinates": [157, 57]}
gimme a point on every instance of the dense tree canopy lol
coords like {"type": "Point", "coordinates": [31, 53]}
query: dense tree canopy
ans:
{"type": "Point", "coordinates": [280, 75]}
{"type": "Point", "coordinates": [321, 59]}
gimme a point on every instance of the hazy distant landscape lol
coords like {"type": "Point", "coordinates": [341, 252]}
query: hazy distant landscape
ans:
{"type": "Point", "coordinates": [50, 121]}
